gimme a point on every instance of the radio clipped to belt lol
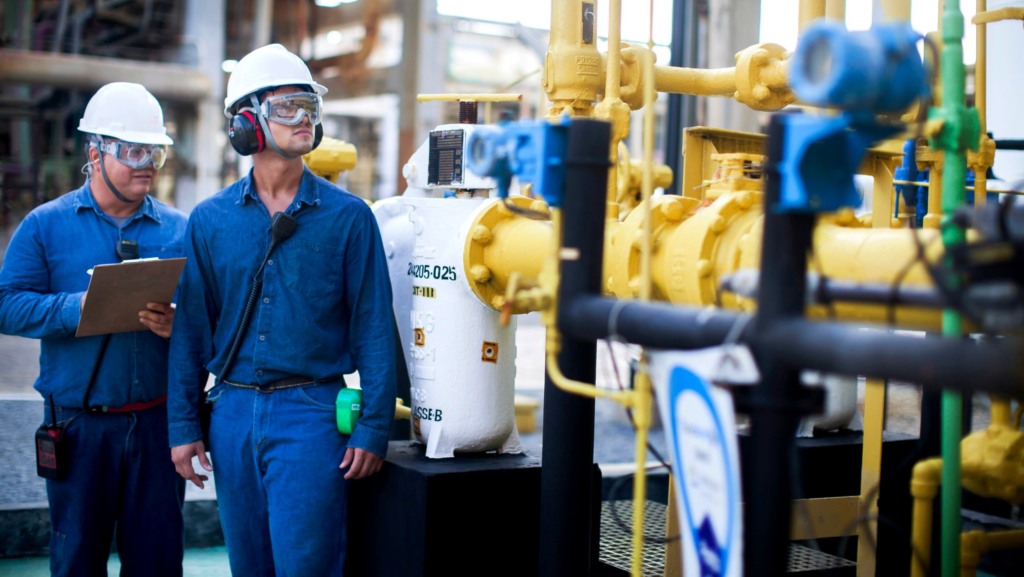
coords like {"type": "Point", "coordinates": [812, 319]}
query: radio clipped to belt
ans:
{"type": "Point", "coordinates": [51, 448]}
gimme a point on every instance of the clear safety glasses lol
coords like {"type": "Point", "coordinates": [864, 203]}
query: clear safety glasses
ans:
{"type": "Point", "coordinates": [135, 155]}
{"type": "Point", "coordinates": [289, 109]}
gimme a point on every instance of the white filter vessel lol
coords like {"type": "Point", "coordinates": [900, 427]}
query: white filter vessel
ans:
{"type": "Point", "coordinates": [461, 360]}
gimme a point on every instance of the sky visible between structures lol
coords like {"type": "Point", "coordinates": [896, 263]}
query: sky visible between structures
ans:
{"type": "Point", "coordinates": [778, 18]}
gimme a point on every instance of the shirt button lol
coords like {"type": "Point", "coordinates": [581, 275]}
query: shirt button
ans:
{"type": "Point", "coordinates": [266, 300]}
{"type": "Point", "coordinates": [263, 337]}
{"type": "Point", "coordinates": [270, 262]}
{"type": "Point", "coordinates": [259, 373]}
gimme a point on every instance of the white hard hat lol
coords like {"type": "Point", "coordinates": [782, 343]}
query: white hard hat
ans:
{"type": "Point", "coordinates": [126, 111]}
{"type": "Point", "coordinates": [267, 67]}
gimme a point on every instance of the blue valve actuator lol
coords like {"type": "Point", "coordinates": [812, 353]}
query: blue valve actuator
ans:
{"type": "Point", "coordinates": [819, 157]}
{"type": "Point", "coordinates": [532, 151]}
{"type": "Point", "coordinates": [877, 70]}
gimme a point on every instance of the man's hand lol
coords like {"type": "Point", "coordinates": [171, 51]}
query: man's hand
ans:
{"type": "Point", "coordinates": [182, 457]}
{"type": "Point", "coordinates": [159, 318]}
{"type": "Point", "coordinates": [360, 463]}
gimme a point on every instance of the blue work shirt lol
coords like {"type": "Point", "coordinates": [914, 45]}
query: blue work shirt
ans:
{"type": "Point", "coordinates": [324, 309]}
{"type": "Point", "coordinates": [41, 285]}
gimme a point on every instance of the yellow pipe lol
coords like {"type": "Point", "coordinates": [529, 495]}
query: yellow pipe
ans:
{"type": "Point", "coordinates": [836, 10]}
{"type": "Point", "coordinates": [980, 95]}
{"type": "Point", "coordinates": [613, 76]}
{"type": "Point", "coordinates": [696, 81]}
{"type": "Point", "coordinates": [810, 10]}
{"type": "Point", "coordinates": [648, 177]}
{"type": "Point", "coordinates": [612, 108]}
{"type": "Point", "coordinates": [987, 17]}
{"type": "Point", "coordinates": [933, 218]}
{"type": "Point", "coordinates": [895, 10]}
{"type": "Point", "coordinates": [456, 97]}
{"type": "Point", "coordinates": [924, 485]}
{"type": "Point", "coordinates": [642, 391]}
{"type": "Point", "coordinates": [974, 544]}
{"type": "Point", "coordinates": [1000, 411]}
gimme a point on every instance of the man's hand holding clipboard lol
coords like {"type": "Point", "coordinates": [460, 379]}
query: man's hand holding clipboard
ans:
{"type": "Point", "coordinates": [131, 296]}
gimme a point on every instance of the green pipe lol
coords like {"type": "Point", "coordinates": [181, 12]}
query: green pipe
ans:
{"type": "Point", "coordinates": [960, 130]}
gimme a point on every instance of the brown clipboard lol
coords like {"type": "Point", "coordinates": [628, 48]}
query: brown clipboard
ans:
{"type": "Point", "coordinates": [117, 292]}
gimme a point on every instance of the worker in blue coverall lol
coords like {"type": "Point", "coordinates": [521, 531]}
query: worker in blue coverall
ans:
{"type": "Point", "coordinates": [119, 477]}
{"type": "Point", "coordinates": [322, 310]}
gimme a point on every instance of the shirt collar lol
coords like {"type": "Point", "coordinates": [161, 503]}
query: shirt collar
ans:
{"type": "Point", "coordinates": [83, 199]}
{"type": "Point", "coordinates": [308, 193]}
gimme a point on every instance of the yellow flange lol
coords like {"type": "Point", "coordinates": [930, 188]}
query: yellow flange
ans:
{"type": "Point", "coordinates": [502, 243]}
{"type": "Point", "coordinates": [762, 77]}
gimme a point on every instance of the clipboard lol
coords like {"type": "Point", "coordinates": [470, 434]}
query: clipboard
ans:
{"type": "Point", "coordinates": [117, 292]}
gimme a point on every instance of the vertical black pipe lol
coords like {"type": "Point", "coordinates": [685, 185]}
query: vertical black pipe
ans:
{"type": "Point", "coordinates": [774, 415]}
{"type": "Point", "coordinates": [681, 108]}
{"type": "Point", "coordinates": [567, 482]}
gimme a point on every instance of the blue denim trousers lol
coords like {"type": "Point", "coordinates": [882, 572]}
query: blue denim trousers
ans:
{"type": "Point", "coordinates": [282, 497]}
{"type": "Point", "coordinates": [121, 479]}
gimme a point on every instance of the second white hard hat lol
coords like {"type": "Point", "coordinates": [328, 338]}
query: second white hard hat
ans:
{"type": "Point", "coordinates": [126, 111]}
{"type": "Point", "coordinates": [267, 67]}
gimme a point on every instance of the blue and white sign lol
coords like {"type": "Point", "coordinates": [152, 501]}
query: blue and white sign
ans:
{"type": "Point", "coordinates": [701, 429]}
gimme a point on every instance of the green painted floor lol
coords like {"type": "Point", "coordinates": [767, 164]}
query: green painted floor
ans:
{"type": "Point", "coordinates": [212, 562]}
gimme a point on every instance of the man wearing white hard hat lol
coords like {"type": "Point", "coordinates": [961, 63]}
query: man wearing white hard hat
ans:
{"type": "Point", "coordinates": [286, 290]}
{"type": "Point", "coordinates": [102, 445]}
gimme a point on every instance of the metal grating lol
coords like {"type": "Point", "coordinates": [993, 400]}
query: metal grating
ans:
{"type": "Point", "coordinates": [616, 548]}
{"type": "Point", "coordinates": [803, 559]}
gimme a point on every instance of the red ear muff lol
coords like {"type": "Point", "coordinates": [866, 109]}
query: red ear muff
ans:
{"type": "Point", "coordinates": [245, 134]}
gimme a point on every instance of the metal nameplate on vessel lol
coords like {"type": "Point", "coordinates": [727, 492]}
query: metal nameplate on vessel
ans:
{"type": "Point", "coordinates": [446, 159]}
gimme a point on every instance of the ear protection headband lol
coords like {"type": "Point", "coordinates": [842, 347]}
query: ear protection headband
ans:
{"type": "Point", "coordinates": [247, 136]}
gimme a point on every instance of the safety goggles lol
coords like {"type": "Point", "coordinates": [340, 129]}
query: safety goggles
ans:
{"type": "Point", "coordinates": [289, 109]}
{"type": "Point", "coordinates": [135, 155]}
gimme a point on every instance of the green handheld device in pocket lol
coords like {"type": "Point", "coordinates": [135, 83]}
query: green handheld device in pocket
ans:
{"type": "Point", "coordinates": [347, 407]}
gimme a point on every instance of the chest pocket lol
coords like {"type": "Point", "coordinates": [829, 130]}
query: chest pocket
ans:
{"type": "Point", "coordinates": [312, 269]}
{"type": "Point", "coordinates": [170, 250]}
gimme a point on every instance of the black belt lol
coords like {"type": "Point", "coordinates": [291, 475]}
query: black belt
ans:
{"type": "Point", "coordinates": [286, 383]}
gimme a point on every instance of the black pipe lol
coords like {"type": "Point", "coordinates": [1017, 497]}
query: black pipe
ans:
{"type": "Point", "coordinates": [937, 362]}
{"type": "Point", "coordinates": [657, 325]}
{"type": "Point", "coordinates": [1009, 144]}
{"type": "Point", "coordinates": [567, 515]}
{"type": "Point", "coordinates": [774, 405]}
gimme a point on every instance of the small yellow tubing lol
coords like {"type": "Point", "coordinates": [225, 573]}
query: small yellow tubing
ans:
{"type": "Point", "coordinates": [642, 398]}
{"type": "Point", "coordinates": [577, 387]}
{"type": "Point", "coordinates": [924, 486]}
